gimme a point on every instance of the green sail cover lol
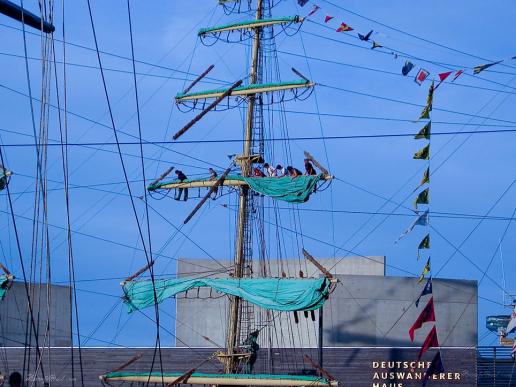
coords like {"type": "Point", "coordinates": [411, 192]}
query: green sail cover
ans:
{"type": "Point", "coordinates": [5, 282]}
{"type": "Point", "coordinates": [292, 190]}
{"type": "Point", "coordinates": [288, 189]}
{"type": "Point", "coordinates": [282, 294]}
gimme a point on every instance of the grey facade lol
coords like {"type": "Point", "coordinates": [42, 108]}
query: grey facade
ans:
{"type": "Point", "coordinates": [190, 329]}
{"type": "Point", "coordinates": [14, 312]}
{"type": "Point", "coordinates": [367, 308]}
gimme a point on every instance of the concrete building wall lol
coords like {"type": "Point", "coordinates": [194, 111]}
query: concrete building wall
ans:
{"type": "Point", "coordinates": [364, 310]}
{"type": "Point", "coordinates": [14, 309]}
{"type": "Point", "coordinates": [190, 329]}
{"type": "Point", "coordinates": [378, 311]}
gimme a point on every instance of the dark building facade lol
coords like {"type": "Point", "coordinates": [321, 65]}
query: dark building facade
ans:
{"type": "Point", "coordinates": [368, 366]}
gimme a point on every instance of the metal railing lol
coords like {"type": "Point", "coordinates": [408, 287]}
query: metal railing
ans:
{"type": "Point", "coordinates": [495, 367]}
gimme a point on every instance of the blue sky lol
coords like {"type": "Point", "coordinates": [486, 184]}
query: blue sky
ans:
{"type": "Point", "coordinates": [470, 173]}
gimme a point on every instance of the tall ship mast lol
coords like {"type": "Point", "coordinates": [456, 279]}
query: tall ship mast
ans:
{"type": "Point", "coordinates": [245, 290]}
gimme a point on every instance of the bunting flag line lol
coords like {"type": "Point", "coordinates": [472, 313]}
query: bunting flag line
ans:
{"type": "Point", "coordinates": [423, 154]}
{"type": "Point", "coordinates": [344, 28]}
{"type": "Point", "coordinates": [407, 67]}
{"type": "Point", "coordinates": [435, 368]}
{"type": "Point", "coordinates": [512, 323]}
{"type": "Point", "coordinates": [425, 271]}
{"type": "Point", "coordinates": [427, 315]}
{"type": "Point", "coordinates": [425, 243]}
{"type": "Point", "coordinates": [424, 132]}
{"type": "Point", "coordinates": [422, 198]}
{"type": "Point", "coordinates": [365, 37]}
{"type": "Point", "coordinates": [457, 74]}
{"type": "Point", "coordinates": [430, 342]}
{"type": "Point", "coordinates": [422, 220]}
{"type": "Point", "coordinates": [426, 290]}
{"type": "Point", "coordinates": [479, 69]}
{"type": "Point", "coordinates": [314, 10]}
{"type": "Point", "coordinates": [421, 75]}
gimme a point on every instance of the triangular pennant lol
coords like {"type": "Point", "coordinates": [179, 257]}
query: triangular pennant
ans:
{"type": "Point", "coordinates": [425, 243]}
{"type": "Point", "coordinates": [328, 18]}
{"type": "Point", "coordinates": [424, 132]}
{"type": "Point", "coordinates": [426, 177]}
{"type": "Point", "coordinates": [366, 36]}
{"type": "Point", "coordinates": [457, 74]}
{"type": "Point", "coordinates": [425, 113]}
{"type": "Point", "coordinates": [435, 368]}
{"type": "Point", "coordinates": [442, 77]}
{"type": "Point", "coordinates": [425, 271]}
{"type": "Point", "coordinates": [423, 197]}
{"type": "Point", "coordinates": [375, 45]}
{"type": "Point", "coordinates": [427, 315]}
{"type": "Point", "coordinates": [344, 27]}
{"type": "Point", "coordinates": [445, 75]}
{"type": "Point", "coordinates": [426, 290]}
{"type": "Point", "coordinates": [302, 3]}
{"type": "Point", "coordinates": [430, 342]}
{"type": "Point", "coordinates": [314, 10]}
{"type": "Point", "coordinates": [430, 96]}
{"type": "Point", "coordinates": [423, 154]}
{"type": "Point", "coordinates": [422, 220]}
{"type": "Point", "coordinates": [479, 69]}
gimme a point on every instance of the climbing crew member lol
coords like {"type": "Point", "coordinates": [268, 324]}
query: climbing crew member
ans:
{"type": "Point", "coordinates": [4, 175]}
{"type": "Point", "coordinates": [213, 177]}
{"type": "Point", "coordinates": [294, 172]}
{"type": "Point", "coordinates": [15, 379]}
{"type": "Point", "coordinates": [252, 342]}
{"type": "Point", "coordinates": [309, 168]}
{"type": "Point", "coordinates": [271, 172]}
{"type": "Point", "coordinates": [181, 177]}
{"type": "Point", "coordinates": [257, 172]}
{"type": "Point", "coordinates": [280, 171]}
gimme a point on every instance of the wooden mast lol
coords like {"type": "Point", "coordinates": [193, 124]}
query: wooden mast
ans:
{"type": "Point", "coordinates": [234, 313]}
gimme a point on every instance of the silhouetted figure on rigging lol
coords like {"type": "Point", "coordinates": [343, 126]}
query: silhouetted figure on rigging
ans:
{"type": "Point", "coordinates": [181, 177]}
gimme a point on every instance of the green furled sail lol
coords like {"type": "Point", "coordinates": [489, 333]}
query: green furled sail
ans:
{"type": "Point", "coordinates": [307, 380]}
{"type": "Point", "coordinates": [288, 189]}
{"type": "Point", "coordinates": [282, 294]}
{"type": "Point", "coordinates": [5, 283]}
{"type": "Point", "coordinates": [292, 190]}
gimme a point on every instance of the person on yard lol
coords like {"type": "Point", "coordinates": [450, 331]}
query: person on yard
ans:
{"type": "Point", "coordinates": [214, 177]}
{"type": "Point", "coordinates": [280, 171]}
{"type": "Point", "coordinates": [270, 171]}
{"type": "Point", "coordinates": [257, 172]}
{"type": "Point", "coordinates": [294, 172]}
{"type": "Point", "coordinates": [181, 177]}
{"type": "Point", "coordinates": [309, 168]}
